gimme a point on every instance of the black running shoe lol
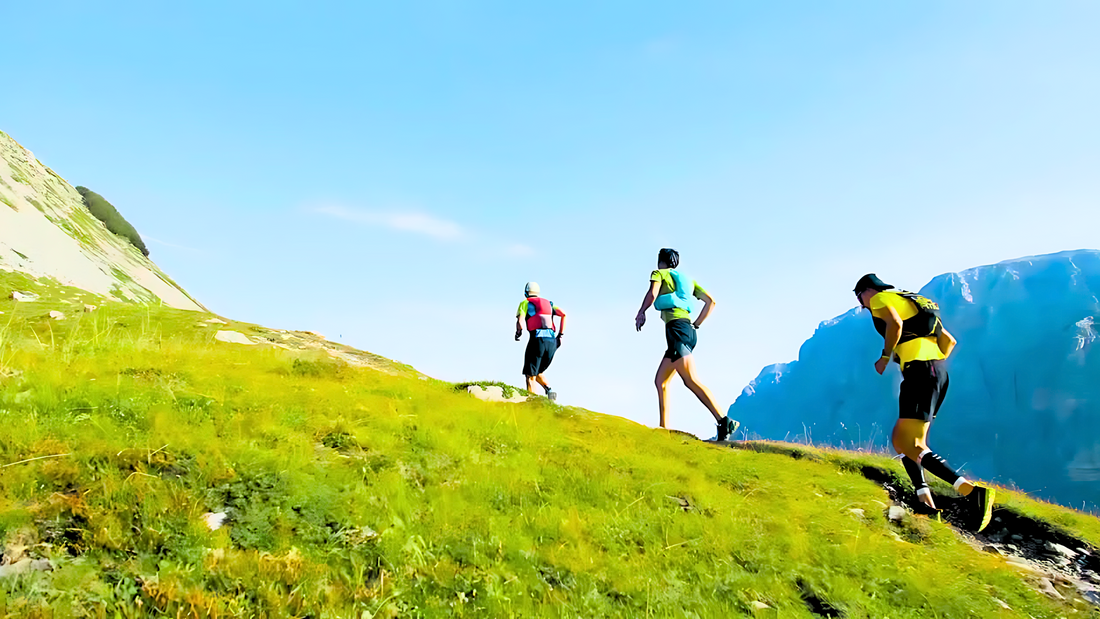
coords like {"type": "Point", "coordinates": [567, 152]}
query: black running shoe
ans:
{"type": "Point", "coordinates": [727, 427]}
{"type": "Point", "coordinates": [981, 506]}
{"type": "Point", "coordinates": [924, 510]}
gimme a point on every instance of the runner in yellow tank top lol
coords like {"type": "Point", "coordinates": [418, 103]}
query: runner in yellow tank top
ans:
{"type": "Point", "coordinates": [914, 337]}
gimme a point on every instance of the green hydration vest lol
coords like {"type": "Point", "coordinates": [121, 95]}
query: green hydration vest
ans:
{"type": "Point", "coordinates": [680, 297]}
{"type": "Point", "coordinates": [925, 323]}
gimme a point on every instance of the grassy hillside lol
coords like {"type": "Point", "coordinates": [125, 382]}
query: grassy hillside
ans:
{"type": "Point", "coordinates": [377, 492]}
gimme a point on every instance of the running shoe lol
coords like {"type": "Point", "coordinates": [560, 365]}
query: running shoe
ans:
{"type": "Point", "coordinates": [726, 428]}
{"type": "Point", "coordinates": [553, 395]}
{"type": "Point", "coordinates": [982, 506]}
{"type": "Point", "coordinates": [924, 510]}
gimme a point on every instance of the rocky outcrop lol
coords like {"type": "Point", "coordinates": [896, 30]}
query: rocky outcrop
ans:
{"type": "Point", "coordinates": [46, 231]}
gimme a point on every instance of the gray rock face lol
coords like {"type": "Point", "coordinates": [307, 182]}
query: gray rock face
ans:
{"type": "Point", "coordinates": [1023, 379]}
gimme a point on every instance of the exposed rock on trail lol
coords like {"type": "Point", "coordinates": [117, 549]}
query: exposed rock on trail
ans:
{"type": "Point", "coordinates": [232, 337]}
{"type": "Point", "coordinates": [493, 393]}
{"type": "Point", "coordinates": [1056, 563]}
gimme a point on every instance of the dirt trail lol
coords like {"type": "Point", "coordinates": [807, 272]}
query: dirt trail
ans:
{"type": "Point", "coordinates": [1057, 564]}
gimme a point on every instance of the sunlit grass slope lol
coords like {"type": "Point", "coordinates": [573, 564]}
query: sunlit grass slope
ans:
{"type": "Point", "coordinates": [360, 493]}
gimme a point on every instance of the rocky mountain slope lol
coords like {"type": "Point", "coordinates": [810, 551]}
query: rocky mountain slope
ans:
{"type": "Point", "coordinates": [1023, 406]}
{"type": "Point", "coordinates": [45, 230]}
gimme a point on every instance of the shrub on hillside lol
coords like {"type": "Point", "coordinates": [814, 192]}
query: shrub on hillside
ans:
{"type": "Point", "coordinates": [105, 212]}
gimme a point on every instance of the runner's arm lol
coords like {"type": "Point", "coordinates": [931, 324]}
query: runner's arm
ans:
{"type": "Point", "coordinates": [561, 324]}
{"type": "Point", "coordinates": [893, 329]}
{"type": "Point", "coordinates": [654, 290]}
{"type": "Point", "coordinates": [946, 342]}
{"type": "Point", "coordinates": [708, 305]}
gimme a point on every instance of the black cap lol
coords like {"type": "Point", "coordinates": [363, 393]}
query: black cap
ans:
{"type": "Point", "coordinates": [870, 280]}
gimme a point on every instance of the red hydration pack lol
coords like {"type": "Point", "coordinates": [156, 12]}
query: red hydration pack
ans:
{"type": "Point", "coordinates": [540, 314]}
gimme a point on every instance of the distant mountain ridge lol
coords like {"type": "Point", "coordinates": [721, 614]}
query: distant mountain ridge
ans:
{"type": "Point", "coordinates": [46, 231]}
{"type": "Point", "coordinates": [1023, 406]}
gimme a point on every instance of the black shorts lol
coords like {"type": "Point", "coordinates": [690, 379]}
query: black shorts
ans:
{"type": "Point", "coordinates": [923, 388]}
{"type": "Point", "coordinates": [540, 352]}
{"type": "Point", "coordinates": [681, 337]}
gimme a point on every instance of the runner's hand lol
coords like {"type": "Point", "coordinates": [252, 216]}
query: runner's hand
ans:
{"type": "Point", "coordinates": [518, 334]}
{"type": "Point", "coordinates": [639, 320]}
{"type": "Point", "coordinates": [880, 365]}
{"type": "Point", "coordinates": [559, 339]}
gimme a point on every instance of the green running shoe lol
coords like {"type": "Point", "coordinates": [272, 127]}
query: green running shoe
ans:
{"type": "Point", "coordinates": [727, 427]}
{"type": "Point", "coordinates": [982, 506]}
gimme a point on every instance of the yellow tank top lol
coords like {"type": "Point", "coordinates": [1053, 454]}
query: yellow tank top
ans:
{"type": "Point", "coordinates": [918, 349]}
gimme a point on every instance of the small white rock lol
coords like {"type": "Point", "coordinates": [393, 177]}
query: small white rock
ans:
{"type": "Point", "coordinates": [758, 605]}
{"type": "Point", "coordinates": [25, 565]}
{"type": "Point", "coordinates": [23, 296]}
{"type": "Point", "coordinates": [90, 308]}
{"type": "Point", "coordinates": [896, 513]}
{"type": "Point", "coordinates": [1047, 587]}
{"type": "Point", "coordinates": [858, 512]}
{"type": "Point", "coordinates": [1062, 550]}
{"type": "Point", "coordinates": [233, 337]}
{"type": "Point", "coordinates": [1002, 604]}
{"type": "Point", "coordinates": [493, 393]}
{"type": "Point", "coordinates": [1027, 566]}
{"type": "Point", "coordinates": [216, 321]}
{"type": "Point", "coordinates": [214, 520]}
{"type": "Point", "coordinates": [56, 315]}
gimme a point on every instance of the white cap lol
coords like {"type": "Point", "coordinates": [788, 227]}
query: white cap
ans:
{"type": "Point", "coordinates": [532, 289]}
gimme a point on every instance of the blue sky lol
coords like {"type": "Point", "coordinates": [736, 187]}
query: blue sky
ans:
{"type": "Point", "coordinates": [391, 174]}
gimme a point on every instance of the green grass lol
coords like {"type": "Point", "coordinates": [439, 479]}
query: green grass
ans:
{"type": "Point", "coordinates": [17, 174]}
{"type": "Point", "coordinates": [360, 493]}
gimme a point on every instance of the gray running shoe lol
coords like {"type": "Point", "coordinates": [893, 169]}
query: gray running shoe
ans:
{"type": "Point", "coordinates": [553, 395]}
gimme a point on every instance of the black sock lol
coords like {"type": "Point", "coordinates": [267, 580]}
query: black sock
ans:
{"type": "Point", "coordinates": [916, 473]}
{"type": "Point", "coordinates": [937, 466]}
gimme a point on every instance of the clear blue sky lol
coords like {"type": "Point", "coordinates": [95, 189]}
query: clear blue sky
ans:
{"type": "Point", "coordinates": [391, 174]}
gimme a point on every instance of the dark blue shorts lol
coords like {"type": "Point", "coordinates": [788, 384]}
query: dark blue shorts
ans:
{"type": "Point", "coordinates": [681, 337]}
{"type": "Point", "coordinates": [539, 354]}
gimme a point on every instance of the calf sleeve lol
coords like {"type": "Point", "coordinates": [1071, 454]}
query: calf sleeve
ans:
{"type": "Point", "coordinates": [936, 465]}
{"type": "Point", "coordinates": [916, 473]}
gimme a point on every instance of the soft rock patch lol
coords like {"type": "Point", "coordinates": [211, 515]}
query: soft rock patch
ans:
{"type": "Point", "coordinates": [232, 337]}
{"type": "Point", "coordinates": [25, 565]}
{"type": "Point", "coordinates": [493, 393]}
